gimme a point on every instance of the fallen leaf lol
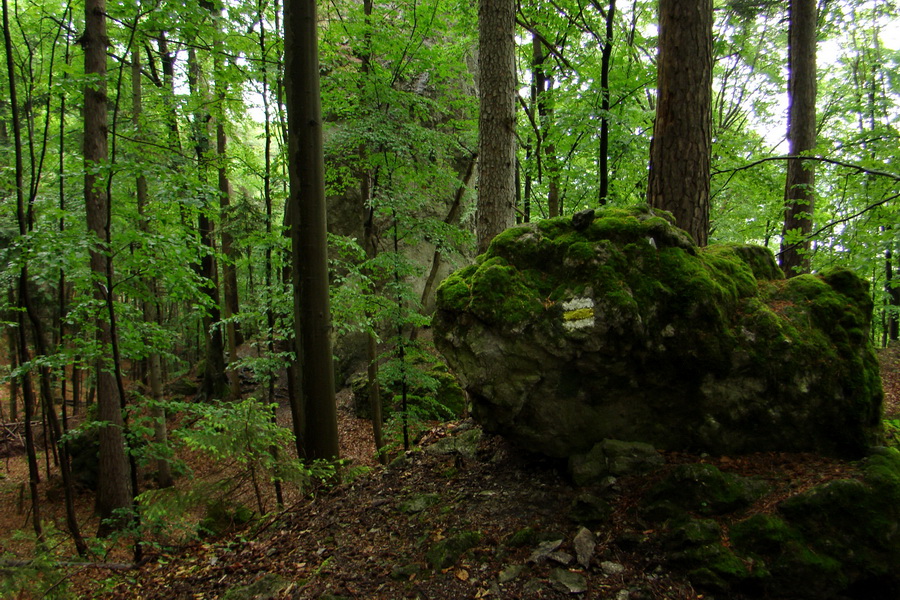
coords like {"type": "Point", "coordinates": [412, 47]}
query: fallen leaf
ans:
{"type": "Point", "coordinates": [462, 575]}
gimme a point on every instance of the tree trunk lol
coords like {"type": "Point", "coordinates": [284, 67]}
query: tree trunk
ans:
{"type": "Point", "coordinates": [229, 270]}
{"type": "Point", "coordinates": [309, 247]}
{"type": "Point", "coordinates": [148, 306]}
{"type": "Point", "coordinates": [605, 62]}
{"type": "Point", "coordinates": [114, 489]}
{"type": "Point", "coordinates": [215, 382]}
{"type": "Point", "coordinates": [496, 120]}
{"type": "Point", "coordinates": [680, 149]}
{"type": "Point", "coordinates": [543, 85]}
{"type": "Point", "coordinates": [799, 196]}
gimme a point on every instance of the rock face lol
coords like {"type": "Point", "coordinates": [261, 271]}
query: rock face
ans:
{"type": "Point", "coordinates": [623, 329]}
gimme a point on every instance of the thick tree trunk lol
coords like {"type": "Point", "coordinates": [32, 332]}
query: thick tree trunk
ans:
{"type": "Point", "coordinates": [114, 488]}
{"type": "Point", "coordinates": [312, 319]}
{"type": "Point", "coordinates": [680, 149]}
{"type": "Point", "coordinates": [497, 119]}
{"type": "Point", "coordinates": [799, 195]}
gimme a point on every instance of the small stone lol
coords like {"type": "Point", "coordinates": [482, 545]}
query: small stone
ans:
{"type": "Point", "coordinates": [510, 573]}
{"type": "Point", "coordinates": [583, 219]}
{"type": "Point", "coordinates": [563, 558]}
{"type": "Point", "coordinates": [584, 543]}
{"type": "Point", "coordinates": [544, 550]}
{"type": "Point", "coordinates": [610, 568]}
{"type": "Point", "coordinates": [567, 581]}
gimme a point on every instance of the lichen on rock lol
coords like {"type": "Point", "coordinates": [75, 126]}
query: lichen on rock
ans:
{"type": "Point", "coordinates": [623, 329]}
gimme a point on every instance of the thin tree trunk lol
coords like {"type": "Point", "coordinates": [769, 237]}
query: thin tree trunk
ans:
{"type": "Point", "coordinates": [148, 305]}
{"type": "Point", "coordinates": [267, 198]}
{"type": "Point", "coordinates": [605, 61]}
{"type": "Point", "coordinates": [543, 87]}
{"type": "Point", "coordinates": [215, 383]}
{"type": "Point", "coordinates": [23, 354]}
{"type": "Point", "coordinates": [13, 365]}
{"type": "Point", "coordinates": [231, 305]}
{"type": "Point", "coordinates": [799, 194]}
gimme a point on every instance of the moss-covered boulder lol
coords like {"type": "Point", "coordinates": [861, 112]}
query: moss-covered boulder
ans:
{"type": "Point", "coordinates": [621, 328]}
{"type": "Point", "coordinates": [837, 540]}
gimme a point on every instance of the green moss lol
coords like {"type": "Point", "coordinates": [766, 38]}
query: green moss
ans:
{"type": "Point", "coordinates": [789, 561]}
{"type": "Point", "coordinates": [502, 295]}
{"type": "Point", "coordinates": [763, 535]}
{"type": "Point", "coordinates": [705, 490]}
{"type": "Point", "coordinates": [527, 536]}
{"type": "Point", "coordinates": [730, 271]}
{"type": "Point", "coordinates": [445, 553]}
{"type": "Point", "coordinates": [454, 293]}
{"type": "Point", "coordinates": [718, 567]}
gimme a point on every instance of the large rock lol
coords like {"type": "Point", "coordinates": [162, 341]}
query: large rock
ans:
{"type": "Point", "coordinates": [621, 328]}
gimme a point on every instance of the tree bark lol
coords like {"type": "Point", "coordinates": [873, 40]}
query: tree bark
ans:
{"type": "Point", "coordinates": [114, 488]}
{"type": "Point", "coordinates": [799, 196]}
{"type": "Point", "coordinates": [680, 149]}
{"type": "Point", "coordinates": [312, 318]}
{"type": "Point", "coordinates": [215, 382]}
{"type": "Point", "coordinates": [605, 62]}
{"type": "Point", "coordinates": [497, 119]}
{"type": "Point", "coordinates": [149, 307]}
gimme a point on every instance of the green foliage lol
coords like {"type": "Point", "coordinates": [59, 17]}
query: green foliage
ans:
{"type": "Point", "coordinates": [40, 577]}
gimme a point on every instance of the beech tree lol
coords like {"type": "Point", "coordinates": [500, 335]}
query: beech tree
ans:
{"type": "Point", "coordinates": [114, 492]}
{"type": "Point", "coordinates": [681, 146]}
{"type": "Point", "coordinates": [317, 433]}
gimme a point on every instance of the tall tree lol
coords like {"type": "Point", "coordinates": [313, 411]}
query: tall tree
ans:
{"type": "Point", "coordinates": [149, 306]}
{"type": "Point", "coordinates": [681, 146]}
{"type": "Point", "coordinates": [799, 196]}
{"type": "Point", "coordinates": [309, 244]}
{"type": "Point", "coordinates": [215, 379]}
{"type": "Point", "coordinates": [114, 489]}
{"type": "Point", "coordinates": [497, 119]}
{"type": "Point", "coordinates": [21, 341]}
{"type": "Point", "coordinates": [605, 66]}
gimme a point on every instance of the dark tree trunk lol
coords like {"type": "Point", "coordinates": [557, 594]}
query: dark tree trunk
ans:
{"type": "Point", "coordinates": [605, 62]}
{"type": "Point", "coordinates": [543, 86]}
{"type": "Point", "coordinates": [114, 488]}
{"type": "Point", "coordinates": [215, 382]}
{"type": "Point", "coordinates": [497, 119]}
{"type": "Point", "coordinates": [312, 319]}
{"type": "Point", "coordinates": [799, 196]}
{"type": "Point", "coordinates": [680, 149]}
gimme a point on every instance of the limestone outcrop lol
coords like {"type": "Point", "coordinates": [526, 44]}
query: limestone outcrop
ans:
{"type": "Point", "coordinates": [570, 331]}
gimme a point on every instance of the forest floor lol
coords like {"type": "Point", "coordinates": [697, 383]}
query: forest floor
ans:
{"type": "Point", "coordinates": [369, 537]}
